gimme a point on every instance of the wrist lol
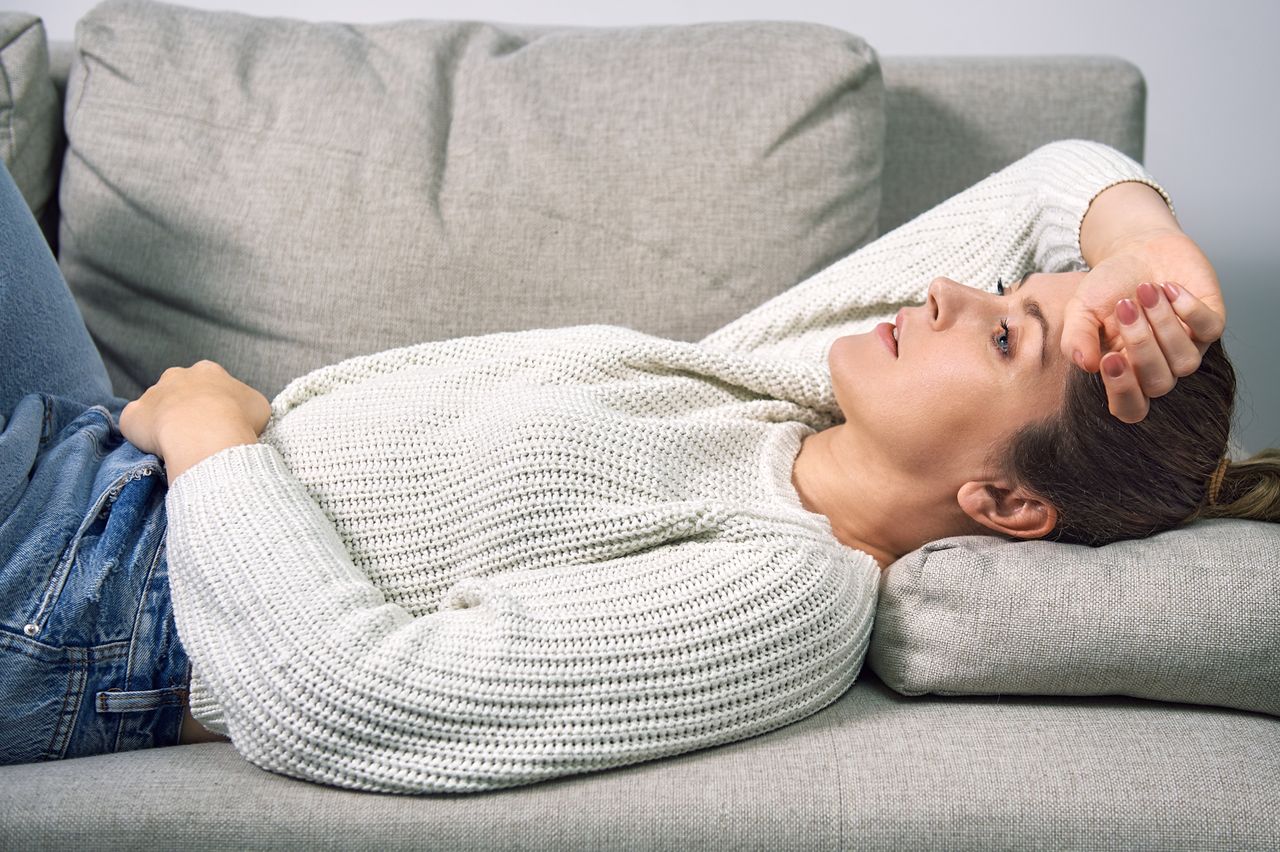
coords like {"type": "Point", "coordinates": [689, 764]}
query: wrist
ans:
{"type": "Point", "coordinates": [183, 449]}
{"type": "Point", "coordinates": [1122, 216]}
{"type": "Point", "coordinates": [1136, 239]}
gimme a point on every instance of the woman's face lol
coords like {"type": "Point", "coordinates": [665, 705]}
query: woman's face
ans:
{"type": "Point", "coordinates": [959, 382]}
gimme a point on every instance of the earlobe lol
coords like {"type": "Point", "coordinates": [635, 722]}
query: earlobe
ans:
{"type": "Point", "coordinates": [1013, 512]}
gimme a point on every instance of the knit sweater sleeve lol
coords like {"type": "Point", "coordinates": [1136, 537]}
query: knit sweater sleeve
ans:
{"type": "Point", "coordinates": [516, 677]}
{"type": "Point", "coordinates": [1025, 217]}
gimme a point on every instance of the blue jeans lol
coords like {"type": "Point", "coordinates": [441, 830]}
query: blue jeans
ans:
{"type": "Point", "coordinates": [90, 660]}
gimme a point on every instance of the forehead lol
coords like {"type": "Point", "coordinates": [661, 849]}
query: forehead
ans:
{"type": "Point", "coordinates": [1046, 287]}
{"type": "Point", "coordinates": [1051, 292]}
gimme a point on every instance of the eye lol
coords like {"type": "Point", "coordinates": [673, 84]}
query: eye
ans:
{"type": "Point", "coordinates": [1001, 340]}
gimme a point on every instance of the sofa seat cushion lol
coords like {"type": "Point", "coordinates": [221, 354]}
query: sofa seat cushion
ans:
{"type": "Point", "coordinates": [279, 195]}
{"type": "Point", "coordinates": [874, 770]}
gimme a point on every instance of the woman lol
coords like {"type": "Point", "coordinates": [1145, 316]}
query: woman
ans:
{"type": "Point", "coordinates": [482, 562]}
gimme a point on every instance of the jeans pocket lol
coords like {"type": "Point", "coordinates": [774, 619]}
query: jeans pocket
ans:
{"type": "Point", "coordinates": [41, 691]}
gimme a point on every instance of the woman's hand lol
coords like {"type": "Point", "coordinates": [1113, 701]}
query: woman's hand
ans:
{"type": "Point", "coordinates": [192, 413]}
{"type": "Point", "coordinates": [1167, 338]}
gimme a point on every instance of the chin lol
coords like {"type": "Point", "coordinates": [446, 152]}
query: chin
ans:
{"type": "Point", "coordinates": [851, 350]}
{"type": "Point", "coordinates": [851, 362]}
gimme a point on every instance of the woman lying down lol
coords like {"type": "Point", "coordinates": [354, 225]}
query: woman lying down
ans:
{"type": "Point", "coordinates": [483, 562]}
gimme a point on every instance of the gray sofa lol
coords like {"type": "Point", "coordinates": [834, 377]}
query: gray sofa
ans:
{"type": "Point", "coordinates": [876, 769]}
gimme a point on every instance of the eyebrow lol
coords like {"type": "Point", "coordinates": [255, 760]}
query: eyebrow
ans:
{"type": "Point", "coordinates": [1032, 309]}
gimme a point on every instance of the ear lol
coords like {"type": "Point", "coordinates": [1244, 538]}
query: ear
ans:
{"type": "Point", "coordinates": [1013, 512]}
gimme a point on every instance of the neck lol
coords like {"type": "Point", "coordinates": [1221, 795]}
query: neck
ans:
{"type": "Point", "coordinates": [871, 505]}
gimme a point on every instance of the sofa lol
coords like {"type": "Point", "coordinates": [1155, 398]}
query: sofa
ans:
{"type": "Point", "coordinates": [278, 195]}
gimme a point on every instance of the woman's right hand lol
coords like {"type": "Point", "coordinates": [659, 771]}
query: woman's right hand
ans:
{"type": "Point", "coordinates": [1144, 315]}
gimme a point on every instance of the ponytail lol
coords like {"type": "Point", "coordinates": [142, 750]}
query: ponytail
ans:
{"type": "Point", "coordinates": [1248, 489]}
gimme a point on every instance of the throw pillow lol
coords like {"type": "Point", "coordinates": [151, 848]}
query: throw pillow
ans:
{"type": "Point", "coordinates": [1190, 615]}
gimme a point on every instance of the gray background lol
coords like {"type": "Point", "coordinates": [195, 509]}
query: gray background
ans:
{"type": "Point", "coordinates": [1210, 66]}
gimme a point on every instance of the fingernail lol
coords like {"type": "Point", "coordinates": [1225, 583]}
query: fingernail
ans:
{"type": "Point", "coordinates": [1171, 290]}
{"type": "Point", "coordinates": [1079, 356]}
{"type": "Point", "coordinates": [1114, 366]}
{"type": "Point", "coordinates": [1127, 311]}
{"type": "Point", "coordinates": [1148, 295]}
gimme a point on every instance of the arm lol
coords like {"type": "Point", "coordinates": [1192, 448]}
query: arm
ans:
{"type": "Point", "coordinates": [1027, 216]}
{"type": "Point", "coordinates": [1124, 213]}
{"type": "Point", "coordinates": [514, 678]}
{"type": "Point", "coordinates": [1054, 210]}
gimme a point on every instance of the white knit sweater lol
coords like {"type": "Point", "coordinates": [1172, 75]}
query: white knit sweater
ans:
{"type": "Point", "coordinates": [477, 563]}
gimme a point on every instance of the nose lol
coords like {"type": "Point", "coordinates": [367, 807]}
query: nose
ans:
{"type": "Point", "coordinates": [947, 300]}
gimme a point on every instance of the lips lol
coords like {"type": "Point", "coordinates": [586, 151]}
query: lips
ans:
{"type": "Point", "coordinates": [884, 331]}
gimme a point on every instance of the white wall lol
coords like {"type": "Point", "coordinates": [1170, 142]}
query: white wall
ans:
{"type": "Point", "coordinates": [1211, 66]}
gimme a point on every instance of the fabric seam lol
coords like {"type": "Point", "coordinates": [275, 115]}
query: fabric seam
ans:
{"type": "Point", "coordinates": [10, 144]}
{"type": "Point", "coordinates": [143, 601]}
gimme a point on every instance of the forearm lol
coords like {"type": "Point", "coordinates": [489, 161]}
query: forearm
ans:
{"type": "Point", "coordinates": [1121, 215]}
{"type": "Point", "coordinates": [318, 675]}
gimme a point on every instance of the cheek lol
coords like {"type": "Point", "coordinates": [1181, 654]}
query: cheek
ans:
{"type": "Point", "coordinates": [936, 416]}
{"type": "Point", "coordinates": [877, 389]}
{"type": "Point", "coordinates": [922, 403]}
{"type": "Point", "coordinates": [932, 410]}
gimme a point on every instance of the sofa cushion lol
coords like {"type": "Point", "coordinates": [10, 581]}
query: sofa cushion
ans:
{"type": "Point", "coordinates": [873, 771]}
{"type": "Point", "coordinates": [278, 195]}
{"type": "Point", "coordinates": [1190, 615]}
{"type": "Point", "coordinates": [953, 120]}
{"type": "Point", "coordinates": [30, 124]}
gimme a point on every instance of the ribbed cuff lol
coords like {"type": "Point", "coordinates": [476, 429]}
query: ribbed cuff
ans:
{"type": "Point", "coordinates": [241, 460]}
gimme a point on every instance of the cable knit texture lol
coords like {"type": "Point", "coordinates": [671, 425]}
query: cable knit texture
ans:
{"type": "Point", "coordinates": [483, 562]}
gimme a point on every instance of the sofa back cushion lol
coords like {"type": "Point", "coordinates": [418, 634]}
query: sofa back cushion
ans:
{"type": "Point", "coordinates": [278, 195]}
{"type": "Point", "coordinates": [953, 120]}
{"type": "Point", "coordinates": [30, 124]}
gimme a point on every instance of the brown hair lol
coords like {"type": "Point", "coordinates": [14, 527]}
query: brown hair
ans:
{"type": "Point", "coordinates": [1111, 480]}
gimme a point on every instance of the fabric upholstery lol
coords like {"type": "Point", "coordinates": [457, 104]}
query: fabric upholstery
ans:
{"type": "Point", "coordinates": [1189, 615]}
{"type": "Point", "coordinates": [951, 121]}
{"type": "Point", "coordinates": [279, 195]}
{"type": "Point", "coordinates": [873, 771]}
{"type": "Point", "coordinates": [30, 124]}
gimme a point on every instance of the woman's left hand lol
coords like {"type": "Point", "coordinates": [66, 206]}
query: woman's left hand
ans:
{"type": "Point", "coordinates": [1167, 337]}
